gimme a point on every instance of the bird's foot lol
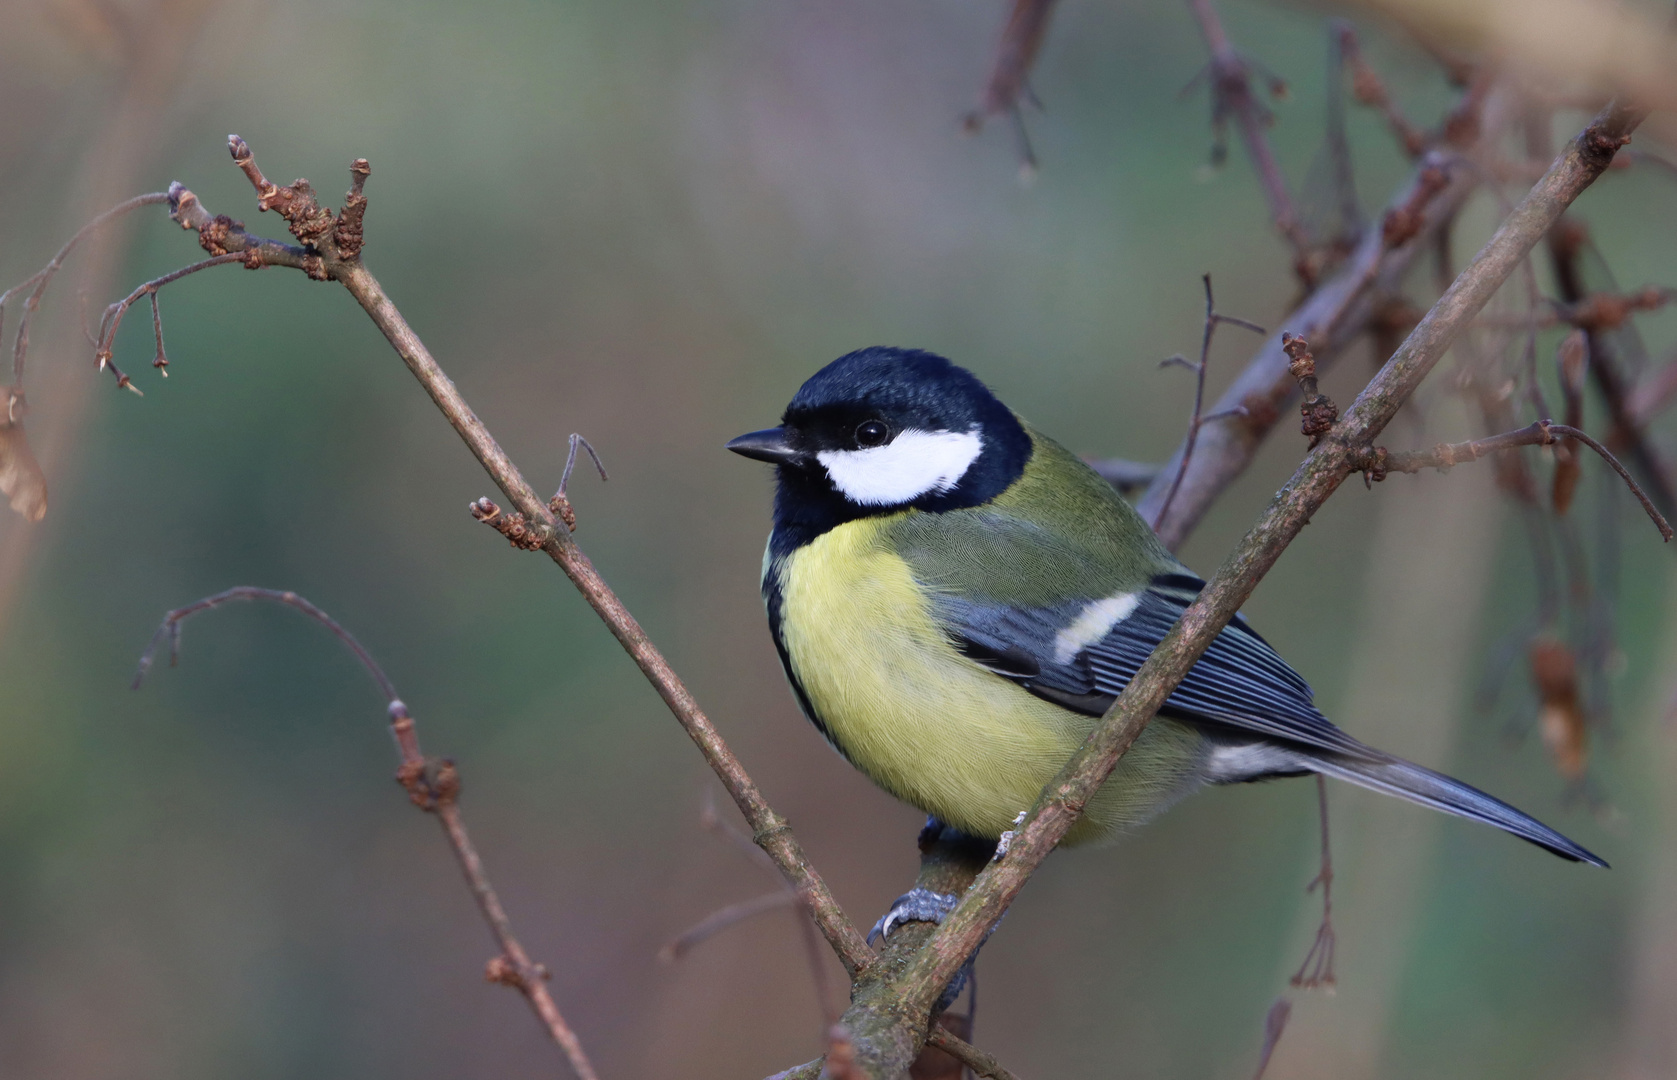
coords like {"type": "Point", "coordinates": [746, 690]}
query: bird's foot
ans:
{"type": "Point", "coordinates": [916, 905]}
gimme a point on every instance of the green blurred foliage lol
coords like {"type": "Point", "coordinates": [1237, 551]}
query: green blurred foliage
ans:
{"type": "Point", "coordinates": [649, 224]}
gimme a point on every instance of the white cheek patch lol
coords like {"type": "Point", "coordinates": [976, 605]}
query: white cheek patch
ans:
{"type": "Point", "coordinates": [913, 464]}
{"type": "Point", "coordinates": [1093, 623]}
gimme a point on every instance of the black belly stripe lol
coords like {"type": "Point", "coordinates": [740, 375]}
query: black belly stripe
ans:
{"type": "Point", "coordinates": [772, 600]}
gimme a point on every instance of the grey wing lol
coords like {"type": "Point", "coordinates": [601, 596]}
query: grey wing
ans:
{"type": "Point", "coordinates": [1065, 653]}
{"type": "Point", "coordinates": [1256, 711]}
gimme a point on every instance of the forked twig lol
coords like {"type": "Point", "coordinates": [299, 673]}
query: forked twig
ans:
{"type": "Point", "coordinates": [1317, 969]}
{"type": "Point", "coordinates": [112, 320]}
{"type": "Point", "coordinates": [570, 463]}
{"type": "Point", "coordinates": [1375, 462]}
{"type": "Point", "coordinates": [329, 250]}
{"type": "Point", "coordinates": [1232, 96]}
{"type": "Point", "coordinates": [560, 504]}
{"type": "Point", "coordinates": [1195, 421]}
{"type": "Point", "coordinates": [1009, 84]}
{"type": "Point", "coordinates": [433, 786]}
{"type": "Point", "coordinates": [41, 278]}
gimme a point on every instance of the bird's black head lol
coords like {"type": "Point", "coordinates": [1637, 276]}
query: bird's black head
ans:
{"type": "Point", "coordinates": [882, 430]}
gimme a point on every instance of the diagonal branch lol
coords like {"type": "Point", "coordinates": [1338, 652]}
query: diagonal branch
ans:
{"type": "Point", "coordinates": [433, 787]}
{"type": "Point", "coordinates": [1198, 419]}
{"type": "Point", "coordinates": [967, 1054]}
{"type": "Point", "coordinates": [1333, 315]}
{"type": "Point", "coordinates": [887, 1030]}
{"type": "Point", "coordinates": [330, 252]}
{"type": "Point", "coordinates": [1231, 93]}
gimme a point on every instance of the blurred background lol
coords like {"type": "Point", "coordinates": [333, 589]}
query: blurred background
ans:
{"type": "Point", "coordinates": [649, 223]}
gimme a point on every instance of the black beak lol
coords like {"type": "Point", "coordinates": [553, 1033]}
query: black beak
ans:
{"type": "Point", "coordinates": [770, 445]}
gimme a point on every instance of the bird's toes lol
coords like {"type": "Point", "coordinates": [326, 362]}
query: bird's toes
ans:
{"type": "Point", "coordinates": [916, 905]}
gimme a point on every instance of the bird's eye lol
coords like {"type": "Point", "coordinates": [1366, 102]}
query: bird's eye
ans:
{"type": "Point", "coordinates": [872, 433]}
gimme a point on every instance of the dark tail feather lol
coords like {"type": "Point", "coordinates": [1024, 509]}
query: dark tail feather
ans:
{"type": "Point", "coordinates": [1394, 776]}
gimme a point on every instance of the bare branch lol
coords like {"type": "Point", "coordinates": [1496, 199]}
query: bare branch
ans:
{"type": "Point", "coordinates": [433, 787]}
{"type": "Point", "coordinates": [39, 280]}
{"type": "Point", "coordinates": [1196, 420]}
{"type": "Point", "coordinates": [1009, 84]}
{"type": "Point", "coordinates": [1330, 318]}
{"type": "Point", "coordinates": [1597, 315]}
{"type": "Point", "coordinates": [789, 897]}
{"type": "Point", "coordinates": [967, 1054]}
{"type": "Point", "coordinates": [320, 258]}
{"type": "Point", "coordinates": [1370, 90]}
{"type": "Point", "coordinates": [1317, 969]}
{"type": "Point", "coordinates": [1232, 96]}
{"type": "Point", "coordinates": [1377, 461]}
{"type": "Point", "coordinates": [112, 320]}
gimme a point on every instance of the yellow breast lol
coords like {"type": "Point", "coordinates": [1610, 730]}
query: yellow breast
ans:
{"type": "Point", "coordinates": [924, 722]}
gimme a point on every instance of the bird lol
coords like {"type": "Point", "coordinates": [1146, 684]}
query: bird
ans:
{"type": "Point", "coordinates": [956, 600]}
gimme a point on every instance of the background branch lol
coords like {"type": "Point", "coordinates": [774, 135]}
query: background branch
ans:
{"type": "Point", "coordinates": [319, 258]}
{"type": "Point", "coordinates": [1377, 461]}
{"type": "Point", "coordinates": [1232, 96]}
{"type": "Point", "coordinates": [433, 787]}
{"type": "Point", "coordinates": [1331, 317]}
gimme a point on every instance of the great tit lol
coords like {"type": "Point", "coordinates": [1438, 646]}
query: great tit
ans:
{"type": "Point", "coordinates": [956, 599]}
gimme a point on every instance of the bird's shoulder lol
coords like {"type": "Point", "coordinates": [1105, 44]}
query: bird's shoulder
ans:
{"type": "Point", "coordinates": [1058, 534]}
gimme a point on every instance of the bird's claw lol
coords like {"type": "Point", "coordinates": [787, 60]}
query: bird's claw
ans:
{"type": "Point", "coordinates": [916, 905]}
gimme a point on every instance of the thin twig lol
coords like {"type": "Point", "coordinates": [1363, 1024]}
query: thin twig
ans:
{"type": "Point", "coordinates": [112, 320]}
{"type": "Point", "coordinates": [160, 360]}
{"type": "Point", "coordinates": [433, 787]}
{"type": "Point", "coordinates": [1333, 316]}
{"type": "Point", "coordinates": [43, 277]}
{"type": "Point", "coordinates": [1009, 83]}
{"type": "Point", "coordinates": [1596, 315]}
{"type": "Point", "coordinates": [966, 1053]}
{"type": "Point", "coordinates": [560, 504]}
{"type": "Point", "coordinates": [1377, 461]}
{"type": "Point", "coordinates": [1232, 96]}
{"type": "Point", "coordinates": [1196, 420]}
{"type": "Point", "coordinates": [570, 463]}
{"type": "Point", "coordinates": [1317, 969]}
{"type": "Point", "coordinates": [808, 937]}
{"type": "Point", "coordinates": [718, 921]}
{"type": "Point", "coordinates": [320, 258]}
{"type": "Point", "coordinates": [1370, 90]}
